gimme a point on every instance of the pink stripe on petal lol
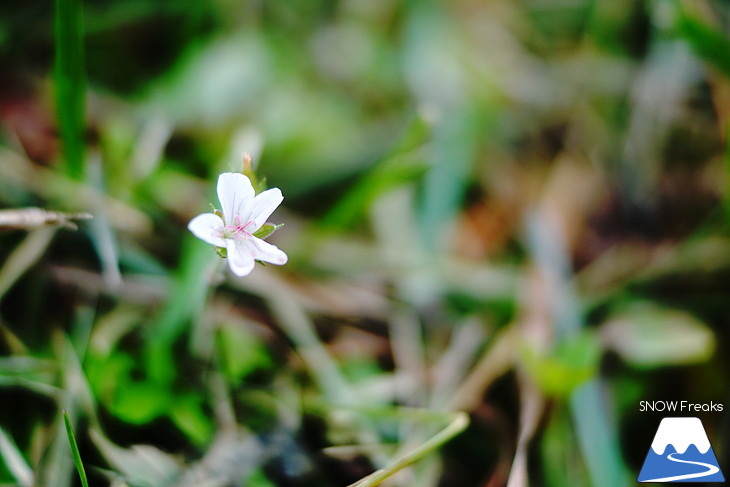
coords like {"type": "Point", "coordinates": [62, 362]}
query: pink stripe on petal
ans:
{"type": "Point", "coordinates": [235, 194]}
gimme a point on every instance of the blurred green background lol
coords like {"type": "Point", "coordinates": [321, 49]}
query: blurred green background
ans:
{"type": "Point", "coordinates": [515, 209]}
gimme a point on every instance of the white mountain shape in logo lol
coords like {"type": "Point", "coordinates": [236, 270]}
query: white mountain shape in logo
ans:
{"type": "Point", "coordinates": [680, 452]}
{"type": "Point", "coordinates": [680, 433]}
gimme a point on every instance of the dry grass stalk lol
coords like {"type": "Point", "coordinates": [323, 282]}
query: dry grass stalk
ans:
{"type": "Point", "coordinates": [31, 218]}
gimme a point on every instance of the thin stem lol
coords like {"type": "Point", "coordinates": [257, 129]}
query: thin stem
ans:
{"type": "Point", "coordinates": [75, 450]}
{"type": "Point", "coordinates": [457, 425]}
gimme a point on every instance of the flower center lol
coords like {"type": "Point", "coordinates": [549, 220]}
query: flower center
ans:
{"type": "Point", "coordinates": [237, 231]}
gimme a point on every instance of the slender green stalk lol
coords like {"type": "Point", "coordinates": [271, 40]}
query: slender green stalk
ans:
{"type": "Point", "coordinates": [75, 450]}
{"type": "Point", "coordinates": [458, 424]}
{"type": "Point", "coordinates": [591, 416]}
{"type": "Point", "coordinates": [70, 80]}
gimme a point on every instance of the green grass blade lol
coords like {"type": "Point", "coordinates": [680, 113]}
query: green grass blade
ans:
{"type": "Point", "coordinates": [14, 461]}
{"type": "Point", "coordinates": [75, 450]}
{"type": "Point", "coordinates": [591, 416]}
{"type": "Point", "coordinates": [23, 257]}
{"type": "Point", "coordinates": [70, 81]}
{"type": "Point", "coordinates": [404, 163]}
{"type": "Point", "coordinates": [459, 422]}
{"type": "Point", "coordinates": [712, 45]}
{"type": "Point", "coordinates": [190, 290]}
{"type": "Point", "coordinates": [453, 155]}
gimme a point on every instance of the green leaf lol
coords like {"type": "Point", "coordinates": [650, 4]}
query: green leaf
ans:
{"type": "Point", "coordinates": [711, 45]}
{"type": "Point", "coordinates": [188, 415]}
{"type": "Point", "coordinates": [75, 450]}
{"type": "Point", "coordinates": [241, 352]}
{"type": "Point", "coordinates": [573, 361]}
{"type": "Point", "coordinates": [139, 403]}
{"type": "Point", "coordinates": [648, 336]}
{"type": "Point", "coordinates": [257, 478]}
{"type": "Point", "coordinates": [106, 372]}
{"type": "Point", "coordinates": [187, 297]}
{"type": "Point", "coordinates": [266, 230]}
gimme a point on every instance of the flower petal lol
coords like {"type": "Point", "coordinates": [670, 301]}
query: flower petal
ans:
{"type": "Point", "coordinates": [265, 251]}
{"type": "Point", "coordinates": [264, 205]}
{"type": "Point", "coordinates": [235, 193]}
{"type": "Point", "coordinates": [240, 259]}
{"type": "Point", "coordinates": [208, 227]}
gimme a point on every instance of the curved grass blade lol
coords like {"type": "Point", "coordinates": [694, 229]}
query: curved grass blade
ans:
{"type": "Point", "coordinates": [14, 461]}
{"type": "Point", "coordinates": [459, 422]}
{"type": "Point", "coordinates": [75, 450]}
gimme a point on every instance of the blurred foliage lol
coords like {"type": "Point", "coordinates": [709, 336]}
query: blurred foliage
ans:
{"type": "Point", "coordinates": [516, 209]}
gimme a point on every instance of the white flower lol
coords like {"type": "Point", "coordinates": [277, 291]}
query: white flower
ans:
{"type": "Point", "coordinates": [244, 213]}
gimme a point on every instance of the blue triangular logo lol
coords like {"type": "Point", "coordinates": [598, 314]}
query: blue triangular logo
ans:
{"type": "Point", "coordinates": [680, 452]}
